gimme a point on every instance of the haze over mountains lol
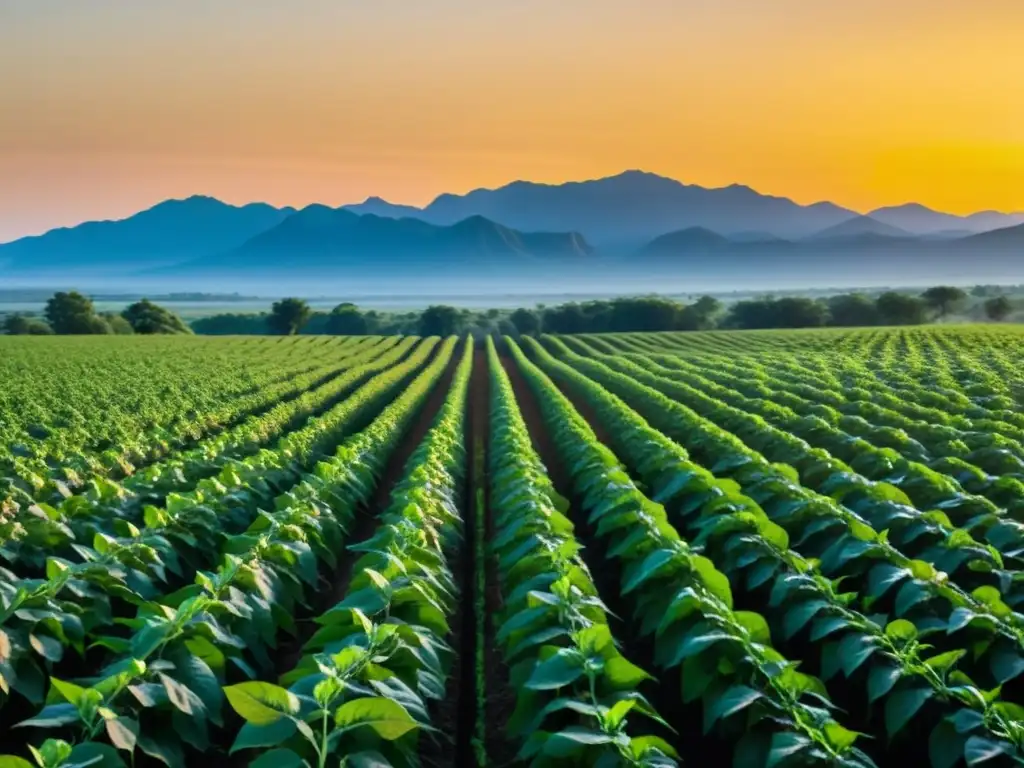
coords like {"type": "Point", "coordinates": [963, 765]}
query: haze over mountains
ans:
{"type": "Point", "coordinates": [633, 231]}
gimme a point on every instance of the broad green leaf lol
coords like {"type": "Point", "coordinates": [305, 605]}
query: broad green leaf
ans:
{"type": "Point", "coordinates": [944, 661]}
{"type": "Point", "coordinates": [123, 732]}
{"type": "Point", "coordinates": [573, 740]}
{"type": "Point", "coordinates": [261, 703]}
{"type": "Point", "coordinates": [839, 737]}
{"type": "Point", "coordinates": [731, 701]}
{"type": "Point", "coordinates": [901, 707]}
{"type": "Point", "coordinates": [882, 678]}
{"type": "Point", "coordinates": [387, 717]}
{"type": "Point", "coordinates": [784, 746]}
{"type": "Point", "coordinates": [623, 674]}
{"type": "Point", "coordinates": [755, 624]}
{"type": "Point", "coordinates": [278, 758]}
{"type": "Point", "coordinates": [979, 749]}
{"type": "Point", "coordinates": [901, 629]}
{"type": "Point", "coordinates": [561, 669]}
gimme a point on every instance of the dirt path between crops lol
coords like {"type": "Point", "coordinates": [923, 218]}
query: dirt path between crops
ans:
{"type": "Point", "coordinates": [334, 587]}
{"type": "Point", "coordinates": [606, 572]}
{"type": "Point", "coordinates": [499, 699]}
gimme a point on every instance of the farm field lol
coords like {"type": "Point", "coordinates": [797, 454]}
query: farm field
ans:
{"type": "Point", "coordinates": [765, 549]}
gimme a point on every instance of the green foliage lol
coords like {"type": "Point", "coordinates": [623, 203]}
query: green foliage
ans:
{"type": "Point", "coordinates": [998, 308]}
{"type": "Point", "coordinates": [145, 317]}
{"type": "Point", "coordinates": [440, 320]}
{"type": "Point", "coordinates": [22, 325]}
{"type": "Point", "coordinates": [287, 316]}
{"type": "Point", "coordinates": [944, 298]}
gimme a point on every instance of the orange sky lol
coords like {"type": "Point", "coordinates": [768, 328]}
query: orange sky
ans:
{"type": "Point", "coordinates": [111, 105]}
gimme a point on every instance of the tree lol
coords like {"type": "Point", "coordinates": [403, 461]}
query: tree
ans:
{"type": "Point", "coordinates": [149, 318]}
{"type": "Point", "coordinates": [567, 318]}
{"type": "Point", "coordinates": [346, 320]}
{"type": "Point", "coordinates": [440, 320]}
{"type": "Point", "coordinates": [998, 308]}
{"type": "Point", "coordinates": [700, 315]}
{"type": "Point", "coordinates": [22, 325]}
{"type": "Point", "coordinates": [943, 298]}
{"type": "Point", "coordinates": [900, 309]}
{"type": "Point", "coordinates": [118, 325]}
{"type": "Point", "coordinates": [525, 321]}
{"type": "Point", "coordinates": [851, 310]}
{"type": "Point", "coordinates": [72, 313]}
{"type": "Point", "coordinates": [752, 313]}
{"type": "Point", "coordinates": [800, 312]}
{"type": "Point", "coordinates": [643, 314]}
{"type": "Point", "coordinates": [287, 316]}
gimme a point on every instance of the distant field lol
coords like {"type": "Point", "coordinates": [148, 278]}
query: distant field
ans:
{"type": "Point", "coordinates": [765, 548]}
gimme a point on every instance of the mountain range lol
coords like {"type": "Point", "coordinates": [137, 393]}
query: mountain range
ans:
{"type": "Point", "coordinates": [635, 230]}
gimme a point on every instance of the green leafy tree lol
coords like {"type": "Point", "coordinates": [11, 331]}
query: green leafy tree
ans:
{"type": "Point", "coordinates": [800, 312]}
{"type": "Point", "coordinates": [346, 320]}
{"type": "Point", "coordinates": [998, 308]}
{"type": "Point", "coordinates": [643, 314]}
{"type": "Point", "coordinates": [851, 310]}
{"type": "Point", "coordinates": [72, 313]}
{"type": "Point", "coordinates": [900, 309]}
{"type": "Point", "coordinates": [525, 321]}
{"type": "Point", "coordinates": [287, 316]}
{"type": "Point", "coordinates": [118, 325]}
{"type": "Point", "coordinates": [699, 316]}
{"type": "Point", "coordinates": [440, 320]}
{"type": "Point", "coordinates": [22, 325]}
{"type": "Point", "coordinates": [148, 318]}
{"type": "Point", "coordinates": [944, 298]}
{"type": "Point", "coordinates": [566, 318]}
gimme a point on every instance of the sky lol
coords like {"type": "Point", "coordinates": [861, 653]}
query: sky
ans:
{"type": "Point", "coordinates": [109, 106]}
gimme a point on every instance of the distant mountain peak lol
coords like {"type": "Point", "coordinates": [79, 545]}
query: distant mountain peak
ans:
{"type": "Point", "coordinates": [859, 226]}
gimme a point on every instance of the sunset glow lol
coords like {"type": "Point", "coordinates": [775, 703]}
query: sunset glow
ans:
{"type": "Point", "coordinates": [112, 105]}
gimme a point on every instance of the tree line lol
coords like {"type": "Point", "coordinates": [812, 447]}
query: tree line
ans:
{"type": "Point", "coordinates": [647, 313]}
{"type": "Point", "coordinates": [72, 313]}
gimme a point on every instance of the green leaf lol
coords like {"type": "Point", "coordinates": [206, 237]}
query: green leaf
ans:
{"type": "Point", "coordinates": [12, 761]}
{"type": "Point", "coordinates": [618, 711]}
{"type": "Point", "coordinates": [839, 737]}
{"type": "Point", "coordinates": [261, 703]}
{"type": "Point", "coordinates": [796, 618]}
{"type": "Point", "coordinates": [178, 694]}
{"type": "Point", "coordinates": [561, 669]}
{"type": "Point", "coordinates": [52, 716]}
{"type": "Point", "coordinates": [573, 740]}
{"type": "Point", "coordinates": [755, 624]}
{"type": "Point", "coordinates": [278, 758]}
{"type": "Point", "coordinates": [901, 707]}
{"type": "Point", "coordinates": [945, 745]}
{"type": "Point", "coordinates": [94, 754]}
{"type": "Point", "coordinates": [387, 717]}
{"type": "Point", "coordinates": [854, 649]}
{"type": "Point", "coordinates": [622, 674]}
{"type": "Point", "coordinates": [901, 629]}
{"type": "Point", "coordinates": [979, 749]}
{"type": "Point", "coordinates": [123, 733]}
{"type": "Point", "coordinates": [72, 693]}
{"type": "Point", "coordinates": [1006, 664]}
{"type": "Point", "coordinates": [253, 736]}
{"type": "Point", "coordinates": [716, 582]}
{"type": "Point", "coordinates": [733, 700]}
{"type": "Point", "coordinates": [944, 661]}
{"type": "Point", "coordinates": [881, 680]}
{"type": "Point", "coordinates": [784, 746]}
